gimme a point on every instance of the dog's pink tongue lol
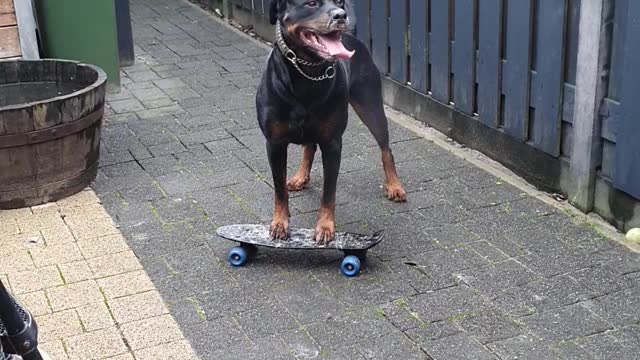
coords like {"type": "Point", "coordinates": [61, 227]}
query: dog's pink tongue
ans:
{"type": "Point", "coordinates": [335, 47]}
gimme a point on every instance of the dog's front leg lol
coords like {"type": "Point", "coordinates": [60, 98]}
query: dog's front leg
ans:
{"type": "Point", "coordinates": [331, 156]}
{"type": "Point", "coordinates": [277, 154]}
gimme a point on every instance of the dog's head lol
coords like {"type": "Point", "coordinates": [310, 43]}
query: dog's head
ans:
{"type": "Point", "coordinates": [314, 25]}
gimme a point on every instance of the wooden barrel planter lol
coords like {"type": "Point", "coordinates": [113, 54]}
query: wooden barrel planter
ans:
{"type": "Point", "coordinates": [50, 119]}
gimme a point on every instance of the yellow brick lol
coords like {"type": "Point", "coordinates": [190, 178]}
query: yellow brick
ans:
{"type": "Point", "coordinates": [37, 222]}
{"type": "Point", "coordinates": [91, 227]}
{"type": "Point", "coordinates": [54, 349]}
{"type": "Point", "coordinates": [151, 332]}
{"type": "Point", "coordinates": [57, 236]}
{"type": "Point", "coordinates": [15, 261]}
{"type": "Point", "coordinates": [104, 245]}
{"type": "Point", "coordinates": [137, 307]}
{"type": "Point", "coordinates": [179, 350]}
{"type": "Point", "coordinates": [45, 209]}
{"type": "Point", "coordinates": [122, 357]}
{"type": "Point", "coordinates": [58, 325]}
{"type": "Point", "coordinates": [22, 241]}
{"type": "Point", "coordinates": [99, 344]}
{"type": "Point", "coordinates": [95, 316]}
{"type": "Point", "coordinates": [36, 302]}
{"type": "Point", "coordinates": [74, 295]}
{"type": "Point", "coordinates": [8, 227]}
{"type": "Point", "coordinates": [125, 284]}
{"type": "Point", "coordinates": [57, 254]}
{"type": "Point", "coordinates": [82, 198]}
{"type": "Point", "coordinates": [35, 280]}
{"type": "Point", "coordinates": [76, 271]}
{"type": "Point", "coordinates": [14, 214]}
{"type": "Point", "coordinates": [114, 264]}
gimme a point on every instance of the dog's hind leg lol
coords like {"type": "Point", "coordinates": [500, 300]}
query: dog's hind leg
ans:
{"type": "Point", "coordinates": [302, 177]}
{"type": "Point", "coordinates": [366, 100]}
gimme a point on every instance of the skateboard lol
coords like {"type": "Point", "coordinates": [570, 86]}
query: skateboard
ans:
{"type": "Point", "coordinates": [250, 237]}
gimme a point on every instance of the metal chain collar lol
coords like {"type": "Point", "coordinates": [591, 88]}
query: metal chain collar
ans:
{"type": "Point", "coordinates": [329, 73]}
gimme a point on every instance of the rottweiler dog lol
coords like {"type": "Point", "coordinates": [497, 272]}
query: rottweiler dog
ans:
{"type": "Point", "coordinates": [316, 69]}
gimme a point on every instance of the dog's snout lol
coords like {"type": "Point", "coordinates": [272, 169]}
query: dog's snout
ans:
{"type": "Point", "coordinates": [340, 15]}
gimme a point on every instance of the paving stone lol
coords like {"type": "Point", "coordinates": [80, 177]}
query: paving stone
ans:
{"type": "Point", "coordinates": [301, 293]}
{"type": "Point", "coordinates": [74, 295]}
{"type": "Point", "coordinates": [137, 307]}
{"type": "Point", "coordinates": [95, 316]}
{"type": "Point", "coordinates": [425, 334]}
{"type": "Point", "coordinates": [394, 346]}
{"type": "Point", "coordinates": [75, 272]}
{"type": "Point", "coordinates": [114, 264]}
{"type": "Point", "coordinates": [566, 323]}
{"type": "Point", "coordinates": [494, 278]}
{"type": "Point", "coordinates": [57, 254]}
{"type": "Point", "coordinates": [618, 308]}
{"type": "Point", "coordinates": [125, 284]}
{"type": "Point", "coordinates": [265, 348]}
{"type": "Point", "coordinates": [143, 334]}
{"type": "Point", "coordinates": [225, 330]}
{"type": "Point", "coordinates": [446, 304]}
{"type": "Point", "coordinates": [35, 280]}
{"type": "Point", "coordinates": [601, 280]}
{"type": "Point", "coordinates": [490, 326]}
{"type": "Point", "coordinates": [524, 347]}
{"type": "Point", "coordinates": [58, 325]}
{"type": "Point", "coordinates": [126, 106]}
{"type": "Point", "coordinates": [458, 347]}
{"type": "Point", "coordinates": [338, 332]}
{"type": "Point", "coordinates": [54, 349]}
{"type": "Point", "coordinates": [17, 261]}
{"type": "Point", "coordinates": [36, 302]}
{"type": "Point", "coordinates": [95, 345]}
{"type": "Point", "coordinates": [268, 321]}
{"type": "Point", "coordinates": [178, 350]}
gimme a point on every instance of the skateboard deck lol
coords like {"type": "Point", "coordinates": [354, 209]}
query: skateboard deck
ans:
{"type": "Point", "coordinates": [298, 238]}
{"type": "Point", "coordinates": [251, 237]}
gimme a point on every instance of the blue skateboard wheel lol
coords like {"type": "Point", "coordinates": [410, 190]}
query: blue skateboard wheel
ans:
{"type": "Point", "coordinates": [350, 266]}
{"type": "Point", "coordinates": [237, 256]}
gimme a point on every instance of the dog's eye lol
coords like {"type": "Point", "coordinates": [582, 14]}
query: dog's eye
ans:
{"type": "Point", "coordinates": [312, 3]}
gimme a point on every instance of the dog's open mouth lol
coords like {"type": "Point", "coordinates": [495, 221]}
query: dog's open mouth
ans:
{"type": "Point", "coordinates": [328, 45]}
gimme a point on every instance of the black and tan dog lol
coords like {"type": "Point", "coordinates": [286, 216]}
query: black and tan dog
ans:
{"type": "Point", "coordinates": [303, 98]}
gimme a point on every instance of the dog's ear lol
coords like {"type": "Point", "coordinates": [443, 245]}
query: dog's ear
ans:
{"type": "Point", "coordinates": [273, 11]}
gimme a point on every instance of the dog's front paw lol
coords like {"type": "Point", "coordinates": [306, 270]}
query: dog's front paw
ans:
{"type": "Point", "coordinates": [279, 229]}
{"type": "Point", "coordinates": [298, 182]}
{"type": "Point", "coordinates": [325, 231]}
{"type": "Point", "coordinates": [395, 193]}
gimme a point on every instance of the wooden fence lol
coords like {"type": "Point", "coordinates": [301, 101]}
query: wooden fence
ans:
{"type": "Point", "coordinates": [507, 77]}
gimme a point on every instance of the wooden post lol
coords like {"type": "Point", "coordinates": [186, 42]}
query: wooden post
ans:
{"type": "Point", "coordinates": [594, 37]}
{"type": "Point", "coordinates": [27, 29]}
{"type": "Point", "coordinates": [125, 34]}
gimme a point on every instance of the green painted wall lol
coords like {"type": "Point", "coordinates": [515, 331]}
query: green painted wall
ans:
{"type": "Point", "coordinates": [81, 30]}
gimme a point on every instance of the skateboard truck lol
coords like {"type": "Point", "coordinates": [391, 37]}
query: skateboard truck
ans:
{"type": "Point", "coordinates": [18, 330]}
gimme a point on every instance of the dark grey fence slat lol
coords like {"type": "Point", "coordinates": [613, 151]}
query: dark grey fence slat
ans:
{"type": "Point", "coordinates": [418, 44]}
{"type": "Point", "coordinates": [379, 35]}
{"type": "Point", "coordinates": [398, 40]}
{"type": "Point", "coordinates": [489, 42]}
{"type": "Point", "coordinates": [247, 4]}
{"type": "Point", "coordinates": [363, 21]}
{"type": "Point", "coordinates": [550, 66]}
{"type": "Point", "coordinates": [573, 22]}
{"type": "Point", "coordinates": [619, 37]}
{"type": "Point", "coordinates": [464, 59]}
{"type": "Point", "coordinates": [439, 48]}
{"type": "Point", "coordinates": [516, 70]}
{"type": "Point", "coordinates": [627, 169]}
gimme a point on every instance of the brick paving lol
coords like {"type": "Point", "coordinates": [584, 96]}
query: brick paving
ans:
{"type": "Point", "coordinates": [472, 268]}
{"type": "Point", "coordinates": [68, 263]}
